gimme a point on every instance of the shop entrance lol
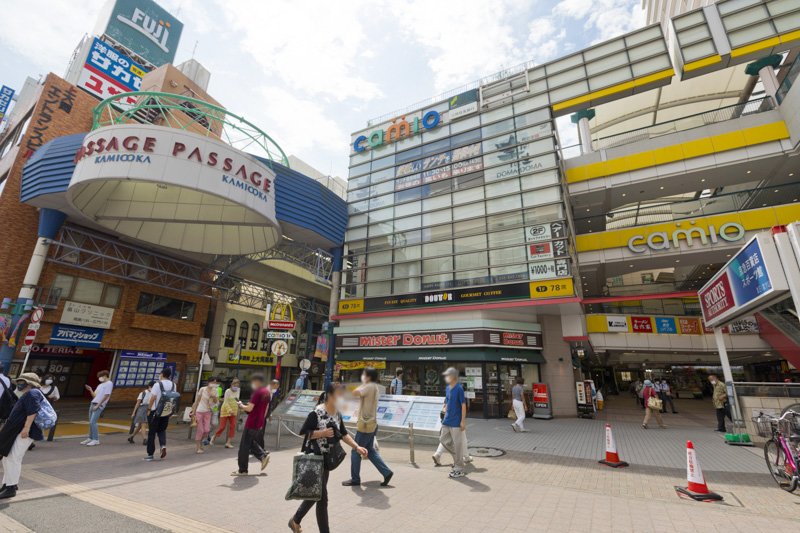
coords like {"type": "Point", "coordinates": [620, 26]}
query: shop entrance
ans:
{"type": "Point", "coordinates": [71, 373]}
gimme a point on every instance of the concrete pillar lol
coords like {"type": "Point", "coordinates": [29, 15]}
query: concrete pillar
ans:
{"type": "Point", "coordinates": [764, 68]}
{"type": "Point", "coordinates": [336, 283]}
{"type": "Point", "coordinates": [557, 371]}
{"type": "Point", "coordinates": [50, 222]}
{"type": "Point", "coordinates": [582, 118]}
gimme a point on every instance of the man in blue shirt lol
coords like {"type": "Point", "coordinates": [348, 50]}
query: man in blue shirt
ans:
{"type": "Point", "coordinates": [454, 423]}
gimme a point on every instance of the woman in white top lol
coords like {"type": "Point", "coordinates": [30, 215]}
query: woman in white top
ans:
{"type": "Point", "coordinates": [204, 404]}
{"type": "Point", "coordinates": [50, 391]}
{"type": "Point", "coordinates": [139, 414]}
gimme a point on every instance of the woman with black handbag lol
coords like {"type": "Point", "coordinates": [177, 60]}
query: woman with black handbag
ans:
{"type": "Point", "coordinates": [324, 432]}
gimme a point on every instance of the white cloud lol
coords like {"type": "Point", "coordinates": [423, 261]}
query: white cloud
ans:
{"type": "Point", "coordinates": [463, 41]}
{"type": "Point", "coordinates": [545, 39]}
{"type": "Point", "coordinates": [573, 8]}
{"type": "Point", "coordinates": [608, 18]}
{"type": "Point", "coordinates": [45, 32]}
{"type": "Point", "coordinates": [313, 48]}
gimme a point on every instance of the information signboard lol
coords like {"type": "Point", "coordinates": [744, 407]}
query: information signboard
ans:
{"type": "Point", "coordinates": [394, 411]}
{"type": "Point", "coordinates": [753, 278]}
{"type": "Point", "coordinates": [138, 368]}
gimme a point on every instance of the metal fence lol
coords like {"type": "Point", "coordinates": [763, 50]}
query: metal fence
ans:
{"type": "Point", "coordinates": [686, 123]}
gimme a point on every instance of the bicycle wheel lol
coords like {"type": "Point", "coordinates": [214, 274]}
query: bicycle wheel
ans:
{"type": "Point", "coordinates": [776, 462]}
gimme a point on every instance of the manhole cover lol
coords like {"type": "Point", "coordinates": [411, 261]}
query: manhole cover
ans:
{"type": "Point", "coordinates": [486, 452]}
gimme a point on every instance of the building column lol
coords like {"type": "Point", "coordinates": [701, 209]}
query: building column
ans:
{"type": "Point", "coordinates": [336, 282]}
{"type": "Point", "coordinates": [50, 222]}
{"type": "Point", "coordinates": [582, 118]}
{"type": "Point", "coordinates": [765, 69]}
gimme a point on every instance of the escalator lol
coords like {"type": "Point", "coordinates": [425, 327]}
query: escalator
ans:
{"type": "Point", "coordinates": [779, 326]}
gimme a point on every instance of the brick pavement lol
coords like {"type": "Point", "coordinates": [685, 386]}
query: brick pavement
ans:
{"type": "Point", "coordinates": [533, 487]}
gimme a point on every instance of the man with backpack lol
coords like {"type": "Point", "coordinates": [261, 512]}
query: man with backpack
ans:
{"type": "Point", "coordinates": [163, 404]}
{"type": "Point", "coordinates": [396, 386]}
{"type": "Point", "coordinates": [19, 431]}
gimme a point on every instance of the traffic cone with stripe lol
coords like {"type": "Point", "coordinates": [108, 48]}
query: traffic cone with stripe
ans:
{"type": "Point", "coordinates": [696, 488]}
{"type": "Point", "coordinates": [612, 457]}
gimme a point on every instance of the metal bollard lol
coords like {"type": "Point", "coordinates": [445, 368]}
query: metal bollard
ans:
{"type": "Point", "coordinates": [411, 442]}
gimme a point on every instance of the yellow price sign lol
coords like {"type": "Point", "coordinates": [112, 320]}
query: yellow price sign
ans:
{"type": "Point", "coordinates": [351, 306]}
{"type": "Point", "coordinates": [555, 288]}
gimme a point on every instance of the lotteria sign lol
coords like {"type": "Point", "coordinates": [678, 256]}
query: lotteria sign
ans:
{"type": "Point", "coordinates": [661, 240]}
{"type": "Point", "coordinates": [399, 129]}
{"type": "Point", "coordinates": [176, 189]}
{"type": "Point", "coordinates": [752, 279]}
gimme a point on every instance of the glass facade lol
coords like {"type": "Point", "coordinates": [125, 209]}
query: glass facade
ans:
{"type": "Point", "coordinates": [449, 207]}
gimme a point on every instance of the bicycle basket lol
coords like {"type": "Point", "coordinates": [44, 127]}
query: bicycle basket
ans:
{"type": "Point", "coordinates": [763, 426]}
{"type": "Point", "coordinates": [790, 426]}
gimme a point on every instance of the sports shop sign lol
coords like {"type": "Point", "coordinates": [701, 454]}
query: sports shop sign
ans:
{"type": "Point", "coordinates": [442, 339]}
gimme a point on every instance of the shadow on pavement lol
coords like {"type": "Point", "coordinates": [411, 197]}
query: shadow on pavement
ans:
{"type": "Point", "coordinates": [372, 496]}
{"type": "Point", "coordinates": [474, 486]}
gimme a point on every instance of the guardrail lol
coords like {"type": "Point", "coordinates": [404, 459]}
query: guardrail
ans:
{"type": "Point", "coordinates": [685, 123]}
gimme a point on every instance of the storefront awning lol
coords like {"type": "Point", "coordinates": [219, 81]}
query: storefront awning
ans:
{"type": "Point", "coordinates": [453, 354]}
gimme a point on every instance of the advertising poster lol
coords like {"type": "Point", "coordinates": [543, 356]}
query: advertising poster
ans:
{"type": "Point", "coordinates": [689, 326]}
{"type": "Point", "coordinates": [617, 323]}
{"type": "Point", "coordinates": [107, 73]}
{"type": "Point", "coordinates": [642, 324]}
{"type": "Point", "coordinates": [145, 28]}
{"type": "Point", "coordinates": [666, 324]}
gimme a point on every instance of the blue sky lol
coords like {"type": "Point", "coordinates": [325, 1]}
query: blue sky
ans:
{"type": "Point", "coordinates": [309, 73]}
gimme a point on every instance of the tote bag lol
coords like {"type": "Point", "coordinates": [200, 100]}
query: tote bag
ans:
{"type": "Point", "coordinates": [307, 471]}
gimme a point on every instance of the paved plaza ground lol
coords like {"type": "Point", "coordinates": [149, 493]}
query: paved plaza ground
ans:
{"type": "Point", "coordinates": [547, 480]}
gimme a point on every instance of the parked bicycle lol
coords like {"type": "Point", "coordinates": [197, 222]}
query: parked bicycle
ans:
{"type": "Point", "coordinates": [782, 449]}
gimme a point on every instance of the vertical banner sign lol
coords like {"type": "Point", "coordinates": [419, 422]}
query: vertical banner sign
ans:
{"type": "Point", "coordinates": [753, 278]}
{"type": "Point", "coordinates": [6, 95]}
{"type": "Point", "coordinates": [541, 402]}
{"type": "Point", "coordinates": [321, 351]}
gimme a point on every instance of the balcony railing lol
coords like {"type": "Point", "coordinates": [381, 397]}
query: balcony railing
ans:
{"type": "Point", "coordinates": [685, 123]}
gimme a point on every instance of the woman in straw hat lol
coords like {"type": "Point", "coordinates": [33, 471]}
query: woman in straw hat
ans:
{"type": "Point", "coordinates": [20, 431]}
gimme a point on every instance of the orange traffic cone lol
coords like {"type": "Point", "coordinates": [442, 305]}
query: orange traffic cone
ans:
{"type": "Point", "coordinates": [612, 457]}
{"type": "Point", "coordinates": [697, 489]}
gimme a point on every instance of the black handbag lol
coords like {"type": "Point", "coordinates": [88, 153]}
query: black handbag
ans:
{"type": "Point", "coordinates": [335, 456]}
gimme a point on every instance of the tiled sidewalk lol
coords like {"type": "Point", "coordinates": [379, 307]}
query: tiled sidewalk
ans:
{"type": "Point", "coordinates": [548, 480]}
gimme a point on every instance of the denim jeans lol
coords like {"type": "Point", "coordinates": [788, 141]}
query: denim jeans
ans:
{"type": "Point", "coordinates": [94, 416]}
{"type": "Point", "coordinates": [366, 440]}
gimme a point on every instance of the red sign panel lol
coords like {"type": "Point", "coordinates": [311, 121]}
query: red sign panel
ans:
{"type": "Point", "coordinates": [717, 298]}
{"type": "Point", "coordinates": [541, 397]}
{"type": "Point", "coordinates": [282, 324]}
{"type": "Point", "coordinates": [642, 324]}
{"type": "Point", "coordinates": [30, 336]}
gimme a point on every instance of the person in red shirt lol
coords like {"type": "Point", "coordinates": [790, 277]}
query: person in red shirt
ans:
{"type": "Point", "coordinates": [650, 392]}
{"type": "Point", "coordinates": [256, 410]}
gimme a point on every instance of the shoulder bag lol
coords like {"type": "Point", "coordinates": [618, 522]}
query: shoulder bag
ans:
{"type": "Point", "coordinates": [307, 475]}
{"type": "Point", "coordinates": [336, 454]}
{"type": "Point", "coordinates": [654, 403]}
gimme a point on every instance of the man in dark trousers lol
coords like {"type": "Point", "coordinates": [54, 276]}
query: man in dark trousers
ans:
{"type": "Point", "coordinates": [251, 440]}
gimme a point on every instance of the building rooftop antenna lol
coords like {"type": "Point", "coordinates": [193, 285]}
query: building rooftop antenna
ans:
{"type": "Point", "coordinates": [195, 48]}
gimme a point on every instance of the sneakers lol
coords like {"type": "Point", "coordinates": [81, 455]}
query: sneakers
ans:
{"type": "Point", "coordinates": [237, 473]}
{"type": "Point", "coordinates": [163, 452]}
{"type": "Point", "coordinates": [149, 458]}
{"type": "Point", "coordinates": [93, 443]}
{"type": "Point", "coordinates": [468, 459]}
{"type": "Point", "coordinates": [514, 427]}
{"type": "Point", "coordinates": [84, 442]}
{"type": "Point", "coordinates": [351, 483]}
{"type": "Point", "coordinates": [130, 440]}
{"type": "Point", "coordinates": [457, 474]}
{"type": "Point", "coordinates": [387, 479]}
{"type": "Point", "coordinates": [9, 491]}
{"type": "Point", "coordinates": [228, 445]}
{"type": "Point", "coordinates": [264, 462]}
{"type": "Point", "coordinates": [436, 460]}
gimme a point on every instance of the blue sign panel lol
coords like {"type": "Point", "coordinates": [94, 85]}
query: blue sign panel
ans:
{"type": "Point", "coordinates": [144, 355]}
{"type": "Point", "coordinates": [6, 94]}
{"type": "Point", "coordinates": [666, 324]}
{"type": "Point", "coordinates": [748, 274]}
{"type": "Point", "coordinates": [64, 335]}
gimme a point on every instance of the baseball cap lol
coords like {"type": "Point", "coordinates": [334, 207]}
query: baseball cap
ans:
{"type": "Point", "coordinates": [450, 372]}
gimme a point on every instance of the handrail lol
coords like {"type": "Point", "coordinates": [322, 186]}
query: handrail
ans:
{"type": "Point", "coordinates": [788, 80]}
{"type": "Point", "coordinates": [696, 120]}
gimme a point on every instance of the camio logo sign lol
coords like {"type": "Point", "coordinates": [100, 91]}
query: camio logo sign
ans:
{"type": "Point", "coordinates": [661, 240]}
{"type": "Point", "coordinates": [399, 129]}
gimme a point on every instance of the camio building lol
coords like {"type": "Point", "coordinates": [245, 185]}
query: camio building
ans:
{"type": "Point", "coordinates": [479, 238]}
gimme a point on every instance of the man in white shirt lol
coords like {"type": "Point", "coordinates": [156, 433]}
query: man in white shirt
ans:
{"type": "Point", "coordinates": [100, 397]}
{"type": "Point", "coordinates": [157, 425]}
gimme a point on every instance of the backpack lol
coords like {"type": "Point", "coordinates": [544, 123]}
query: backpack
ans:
{"type": "Point", "coordinates": [46, 417]}
{"type": "Point", "coordinates": [168, 402]}
{"type": "Point", "coordinates": [7, 401]}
